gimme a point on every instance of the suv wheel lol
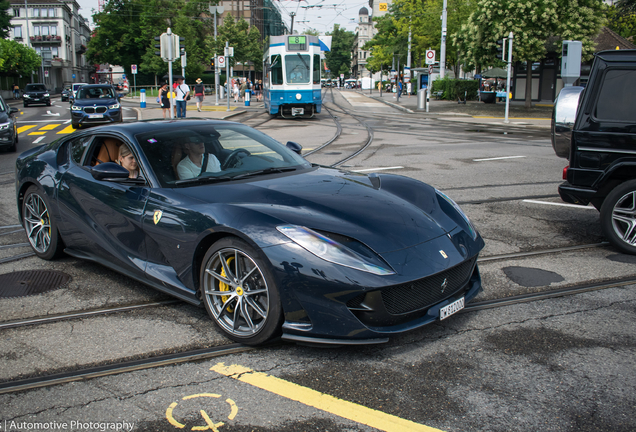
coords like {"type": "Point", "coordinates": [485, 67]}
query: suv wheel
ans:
{"type": "Point", "coordinates": [618, 217]}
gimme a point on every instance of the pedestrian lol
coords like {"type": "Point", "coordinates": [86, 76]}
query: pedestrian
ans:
{"type": "Point", "coordinates": [199, 94]}
{"type": "Point", "coordinates": [399, 90]}
{"type": "Point", "coordinates": [242, 89]}
{"type": "Point", "coordinates": [235, 90]}
{"type": "Point", "coordinates": [181, 98]}
{"type": "Point", "coordinates": [257, 89]}
{"type": "Point", "coordinates": [16, 91]}
{"type": "Point", "coordinates": [408, 89]}
{"type": "Point", "coordinates": [164, 99]}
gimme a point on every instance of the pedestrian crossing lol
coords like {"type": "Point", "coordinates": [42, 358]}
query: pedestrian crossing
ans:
{"type": "Point", "coordinates": [57, 128]}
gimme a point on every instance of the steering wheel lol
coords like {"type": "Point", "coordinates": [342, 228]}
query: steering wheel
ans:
{"type": "Point", "coordinates": [233, 159]}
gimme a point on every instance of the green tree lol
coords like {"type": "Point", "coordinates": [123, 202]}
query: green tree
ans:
{"type": "Point", "coordinates": [385, 44]}
{"type": "Point", "coordinates": [5, 19]}
{"type": "Point", "coordinates": [339, 58]}
{"type": "Point", "coordinates": [533, 24]}
{"type": "Point", "coordinates": [245, 41]}
{"type": "Point", "coordinates": [622, 18]}
{"type": "Point", "coordinates": [17, 59]}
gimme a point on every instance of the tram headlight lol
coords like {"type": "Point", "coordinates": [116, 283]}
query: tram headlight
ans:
{"type": "Point", "coordinates": [299, 96]}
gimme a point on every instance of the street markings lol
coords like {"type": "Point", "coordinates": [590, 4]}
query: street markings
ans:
{"type": "Point", "coordinates": [321, 401]}
{"type": "Point", "coordinates": [497, 158]}
{"type": "Point", "coordinates": [50, 126]}
{"type": "Point", "coordinates": [25, 128]}
{"type": "Point", "coordinates": [589, 207]}
{"type": "Point", "coordinates": [44, 129]}
{"type": "Point", "coordinates": [209, 423]}
{"type": "Point", "coordinates": [378, 169]}
{"type": "Point", "coordinates": [66, 130]}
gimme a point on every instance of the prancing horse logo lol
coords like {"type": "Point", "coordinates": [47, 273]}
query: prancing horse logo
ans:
{"type": "Point", "coordinates": [444, 285]}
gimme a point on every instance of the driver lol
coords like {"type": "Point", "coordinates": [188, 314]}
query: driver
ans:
{"type": "Point", "coordinates": [197, 161]}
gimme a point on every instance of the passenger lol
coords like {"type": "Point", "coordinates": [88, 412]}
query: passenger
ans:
{"type": "Point", "coordinates": [128, 161]}
{"type": "Point", "coordinates": [193, 165]}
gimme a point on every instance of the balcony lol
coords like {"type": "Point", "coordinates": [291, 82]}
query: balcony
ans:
{"type": "Point", "coordinates": [46, 39]}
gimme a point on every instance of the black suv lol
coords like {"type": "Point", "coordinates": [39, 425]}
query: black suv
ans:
{"type": "Point", "coordinates": [36, 94]}
{"type": "Point", "coordinates": [595, 129]}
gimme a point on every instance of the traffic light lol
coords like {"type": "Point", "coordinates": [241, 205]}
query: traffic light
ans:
{"type": "Point", "coordinates": [158, 46]}
{"type": "Point", "coordinates": [501, 49]}
{"type": "Point", "coordinates": [182, 48]}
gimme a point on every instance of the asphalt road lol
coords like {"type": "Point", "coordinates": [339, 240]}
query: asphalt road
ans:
{"type": "Point", "coordinates": [559, 364]}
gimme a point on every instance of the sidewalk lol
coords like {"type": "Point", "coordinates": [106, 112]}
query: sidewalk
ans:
{"type": "Point", "coordinates": [209, 110]}
{"type": "Point", "coordinates": [473, 112]}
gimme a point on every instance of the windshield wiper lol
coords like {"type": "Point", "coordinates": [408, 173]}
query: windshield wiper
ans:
{"type": "Point", "coordinates": [213, 179]}
{"type": "Point", "coordinates": [264, 171]}
{"type": "Point", "coordinates": [303, 60]}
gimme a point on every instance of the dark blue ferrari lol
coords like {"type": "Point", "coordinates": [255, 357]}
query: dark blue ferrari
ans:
{"type": "Point", "coordinates": [219, 214]}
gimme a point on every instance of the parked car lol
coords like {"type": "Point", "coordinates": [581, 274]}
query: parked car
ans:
{"type": "Point", "coordinates": [95, 104]}
{"type": "Point", "coordinates": [8, 127]}
{"type": "Point", "coordinates": [66, 94]}
{"type": "Point", "coordinates": [36, 94]}
{"type": "Point", "coordinates": [595, 129]}
{"type": "Point", "coordinates": [267, 242]}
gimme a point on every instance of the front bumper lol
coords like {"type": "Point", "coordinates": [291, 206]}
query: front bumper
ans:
{"type": "Point", "coordinates": [36, 100]}
{"type": "Point", "coordinates": [7, 137]}
{"type": "Point", "coordinates": [83, 118]}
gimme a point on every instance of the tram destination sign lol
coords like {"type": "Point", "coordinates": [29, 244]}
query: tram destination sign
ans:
{"type": "Point", "coordinates": [297, 43]}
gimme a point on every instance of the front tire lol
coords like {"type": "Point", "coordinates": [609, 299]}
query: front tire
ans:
{"type": "Point", "coordinates": [75, 126]}
{"type": "Point", "coordinates": [618, 217]}
{"type": "Point", "coordinates": [239, 292]}
{"type": "Point", "coordinates": [40, 227]}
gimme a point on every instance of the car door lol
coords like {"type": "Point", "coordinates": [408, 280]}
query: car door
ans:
{"type": "Point", "coordinates": [101, 219]}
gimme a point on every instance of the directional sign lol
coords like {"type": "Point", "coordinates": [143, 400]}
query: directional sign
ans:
{"type": "Point", "coordinates": [430, 57]}
{"type": "Point", "coordinates": [220, 61]}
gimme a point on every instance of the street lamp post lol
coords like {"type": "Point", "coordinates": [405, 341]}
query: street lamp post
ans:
{"type": "Point", "coordinates": [214, 10]}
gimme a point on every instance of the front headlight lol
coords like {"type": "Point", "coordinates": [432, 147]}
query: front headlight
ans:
{"type": "Point", "coordinates": [471, 228]}
{"type": "Point", "coordinates": [26, 96]}
{"type": "Point", "coordinates": [46, 95]}
{"type": "Point", "coordinates": [115, 106]}
{"type": "Point", "coordinates": [4, 126]}
{"type": "Point", "coordinates": [330, 250]}
{"type": "Point", "coordinates": [76, 108]}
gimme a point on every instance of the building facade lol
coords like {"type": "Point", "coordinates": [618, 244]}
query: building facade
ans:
{"type": "Point", "coordinates": [364, 33]}
{"type": "Point", "coordinates": [59, 34]}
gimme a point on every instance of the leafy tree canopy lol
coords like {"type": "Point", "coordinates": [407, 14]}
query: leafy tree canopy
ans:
{"type": "Point", "coordinates": [5, 19]}
{"type": "Point", "coordinates": [17, 59]}
{"type": "Point", "coordinates": [622, 18]}
{"type": "Point", "coordinates": [244, 40]}
{"type": "Point", "coordinates": [339, 58]}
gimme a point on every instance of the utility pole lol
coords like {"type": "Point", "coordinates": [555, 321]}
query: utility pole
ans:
{"type": "Point", "coordinates": [292, 15]}
{"type": "Point", "coordinates": [510, 37]}
{"type": "Point", "coordinates": [227, 72]}
{"type": "Point", "coordinates": [171, 47]}
{"type": "Point", "coordinates": [442, 54]}
{"type": "Point", "coordinates": [408, 56]}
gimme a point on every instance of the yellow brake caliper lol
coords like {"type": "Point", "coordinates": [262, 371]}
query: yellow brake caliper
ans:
{"type": "Point", "coordinates": [225, 287]}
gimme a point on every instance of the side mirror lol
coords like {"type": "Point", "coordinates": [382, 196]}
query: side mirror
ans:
{"type": "Point", "coordinates": [13, 110]}
{"type": "Point", "coordinates": [295, 147]}
{"type": "Point", "coordinates": [109, 171]}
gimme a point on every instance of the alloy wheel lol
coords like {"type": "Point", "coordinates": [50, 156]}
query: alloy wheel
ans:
{"type": "Point", "coordinates": [624, 218]}
{"type": "Point", "coordinates": [37, 223]}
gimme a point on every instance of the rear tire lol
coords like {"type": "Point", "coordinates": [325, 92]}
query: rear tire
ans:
{"type": "Point", "coordinates": [618, 217]}
{"type": "Point", "coordinates": [239, 292]}
{"type": "Point", "coordinates": [40, 227]}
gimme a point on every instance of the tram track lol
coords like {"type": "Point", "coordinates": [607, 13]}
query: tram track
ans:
{"type": "Point", "coordinates": [188, 356]}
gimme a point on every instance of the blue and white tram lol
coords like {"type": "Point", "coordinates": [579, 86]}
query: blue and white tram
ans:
{"type": "Point", "coordinates": [291, 87]}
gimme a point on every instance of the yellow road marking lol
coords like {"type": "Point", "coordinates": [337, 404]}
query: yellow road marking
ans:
{"type": "Point", "coordinates": [67, 130]}
{"type": "Point", "coordinates": [210, 425]}
{"type": "Point", "coordinates": [217, 108]}
{"type": "Point", "coordinates": [37, 133]}
{"type": "Point", "coordinates": [25, 128]}
{"type": "Point", "coordinates": [50, 126]}
{"type": "Point", "coordinates": [321, 401]}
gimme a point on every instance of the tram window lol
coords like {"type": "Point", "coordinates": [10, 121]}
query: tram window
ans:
{"type": "Point", "coordinates": [277, 70]}
{"type": "Point", "coordinates": [297, 67]}
{"type": "Point", "coordinates": [316, 69]}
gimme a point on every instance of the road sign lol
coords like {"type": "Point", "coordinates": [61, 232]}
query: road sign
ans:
{"type": "Point", "coordinates": [220, 61]}
{"type": "Point", "coordinates": [229, 51]}
{"type": "Point", "coordinates": [430, 57]}
{"type": "Point", "coordinates": [383, 7]}
{"type": "Point", "coordinates": [430, 69]}
{"type": "Point", "coordinates": [133, 69]}
{"type": "Point", "coordinates": [46, 74]}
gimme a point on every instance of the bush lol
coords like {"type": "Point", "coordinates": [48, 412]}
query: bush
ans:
{"type": "Point", "coordinates": [456, 89]}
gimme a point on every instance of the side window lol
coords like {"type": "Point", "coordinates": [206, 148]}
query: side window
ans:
{"type": "Point", "coordinates": [617, 98]}
{"type": "Point", "coordinates": [316, 69]}
{"type": "Point", "coordinates": [78, 147]}
{"type": "Point", "coordinates": [277, 69]}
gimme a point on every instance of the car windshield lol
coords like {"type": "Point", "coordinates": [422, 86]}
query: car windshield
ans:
{"type": "Point", "coordinates": [96, 93]}
{"type": "Point", "coordinates": [233, 151]}
{"type": "Point", "coordinates": [35, 87]}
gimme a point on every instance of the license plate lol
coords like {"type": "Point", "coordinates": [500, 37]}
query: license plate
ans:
{"type": "Point", "coordinates": [298, 111]}
{"type": "Point", "coordinates": [450, 309]}
{"type": "Point", "coordinates": [95, 115]}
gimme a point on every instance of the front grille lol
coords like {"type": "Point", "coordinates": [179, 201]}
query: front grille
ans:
{"type": "Point", "coordinates": [95, 110]}
{"type": "Point", "coordinates": [425, 292]}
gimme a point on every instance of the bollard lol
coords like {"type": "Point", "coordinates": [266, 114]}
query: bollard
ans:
{"type": "Point", "coordinates": [248, 92]}
{"type": "Point", "coordinates": [142, 98]}
{"type": "Point", "coordinates": [421, 98]}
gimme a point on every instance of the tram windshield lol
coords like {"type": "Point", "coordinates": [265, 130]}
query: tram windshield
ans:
{"type": "Point", "coordinates": [297, 67]}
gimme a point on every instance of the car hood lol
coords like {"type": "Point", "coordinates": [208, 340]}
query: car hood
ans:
{"type": "Point", "coordinates": [4, 117]}
{"type": "Point", "coordinates": [96, 102]}
{"type": "Point", "coordinates": [369, 209]}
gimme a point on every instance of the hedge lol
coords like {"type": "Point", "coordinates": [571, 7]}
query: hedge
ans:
{"type": "Point", "coordinates": [455, 89]}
